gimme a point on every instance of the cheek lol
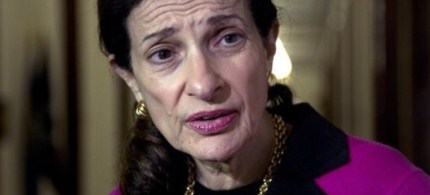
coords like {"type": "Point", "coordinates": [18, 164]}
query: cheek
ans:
{"type": "Point", "coordinates": [161, 97]}
{"type": "Point", "coordinates": [162, 105]}
{"type": "Point", "coordinates": [166, 122]}
{"type": "Point", "coordinates": [158, 94]}
{"type": "Point", "coordinates": [254, 82]}
{"type": "Point", "coordinates": [252, 72]}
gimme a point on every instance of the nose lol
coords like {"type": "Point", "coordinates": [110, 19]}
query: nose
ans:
{"type": "Point", "coordinates": [204, 81]}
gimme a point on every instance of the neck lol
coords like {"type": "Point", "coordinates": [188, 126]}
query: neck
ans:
{"type": "Point", "coordinates": [246, 166]}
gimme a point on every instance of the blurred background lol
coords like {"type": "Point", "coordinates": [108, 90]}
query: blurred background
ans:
{"type": "Point", "coordinates": [364, 64]}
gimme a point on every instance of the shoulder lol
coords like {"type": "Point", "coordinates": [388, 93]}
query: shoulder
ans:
{"type": "Point", "coordinates": [366, 154]}
{"type": "Point", "coordinates": [375, 168]}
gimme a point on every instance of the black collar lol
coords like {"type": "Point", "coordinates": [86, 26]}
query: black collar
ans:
{"type": "Point", "coordinates": [314, 147]}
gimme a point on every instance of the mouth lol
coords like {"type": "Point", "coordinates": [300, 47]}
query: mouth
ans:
{"type": "Point", "coordinates": [212, 122]}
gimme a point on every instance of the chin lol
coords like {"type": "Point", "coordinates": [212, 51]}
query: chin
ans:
{"type": "Point", "coordinates": [216, 151]}
{"type": "Point", "coordinates": [215, 157]}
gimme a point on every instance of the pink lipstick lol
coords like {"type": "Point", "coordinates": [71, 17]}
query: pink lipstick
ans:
{"type": "Point", "coordinates": [212, 122]}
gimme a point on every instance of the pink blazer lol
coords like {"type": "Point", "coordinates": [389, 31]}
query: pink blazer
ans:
{"type": "Point", "coordinates": [374, 168]}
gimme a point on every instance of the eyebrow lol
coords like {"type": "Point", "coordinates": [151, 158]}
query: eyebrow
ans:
{"type": "Point", "coordinates": [219, 18]}
{"type": "Point", "coordinates": [172, 30]}
{"type": "Point", "coordinates": [161, 33]}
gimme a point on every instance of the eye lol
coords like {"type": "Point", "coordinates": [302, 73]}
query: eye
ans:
{"type": "Point", "coordinates": [161, 56]}
{"type": "Point", "coordinates": [231, 38]}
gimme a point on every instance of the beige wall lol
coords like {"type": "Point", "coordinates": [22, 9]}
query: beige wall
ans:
{"type": "Point", "coordinates": [331, 44]}
{"type": "Point", "coordinates": [99, 108]}
{"type": "Point", "coordinates": [12, 66]}
{"type": "Point", "coordinates": [26, 28]}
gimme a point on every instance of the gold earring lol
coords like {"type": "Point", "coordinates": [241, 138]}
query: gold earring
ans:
{"type": "Point", "coordinates": [271, 79]}
{"type": "Point", "coordinates": [140, 110]}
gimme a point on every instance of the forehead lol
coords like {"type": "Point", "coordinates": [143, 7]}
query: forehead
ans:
{"type": "Point", "coordinates": [157, 12]}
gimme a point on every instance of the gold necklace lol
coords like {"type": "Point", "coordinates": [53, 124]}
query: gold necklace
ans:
{"type": "Point", "coordinates": [280, 138]}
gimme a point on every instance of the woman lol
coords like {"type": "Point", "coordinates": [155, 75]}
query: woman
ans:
{"type": "Point", "coordinates": [211, 121]}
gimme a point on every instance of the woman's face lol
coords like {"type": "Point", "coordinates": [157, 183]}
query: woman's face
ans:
{"type": "Point", "coordinates": [201, 69]}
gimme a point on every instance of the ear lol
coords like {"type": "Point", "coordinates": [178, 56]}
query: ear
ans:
{"type": "Point", "coordinates": [127, 76]}
{"type": "Point", "coordinates": [270, 44]}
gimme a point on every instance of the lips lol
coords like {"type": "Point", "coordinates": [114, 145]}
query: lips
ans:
{"type": "Point", "coordinates": [212, 122]}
